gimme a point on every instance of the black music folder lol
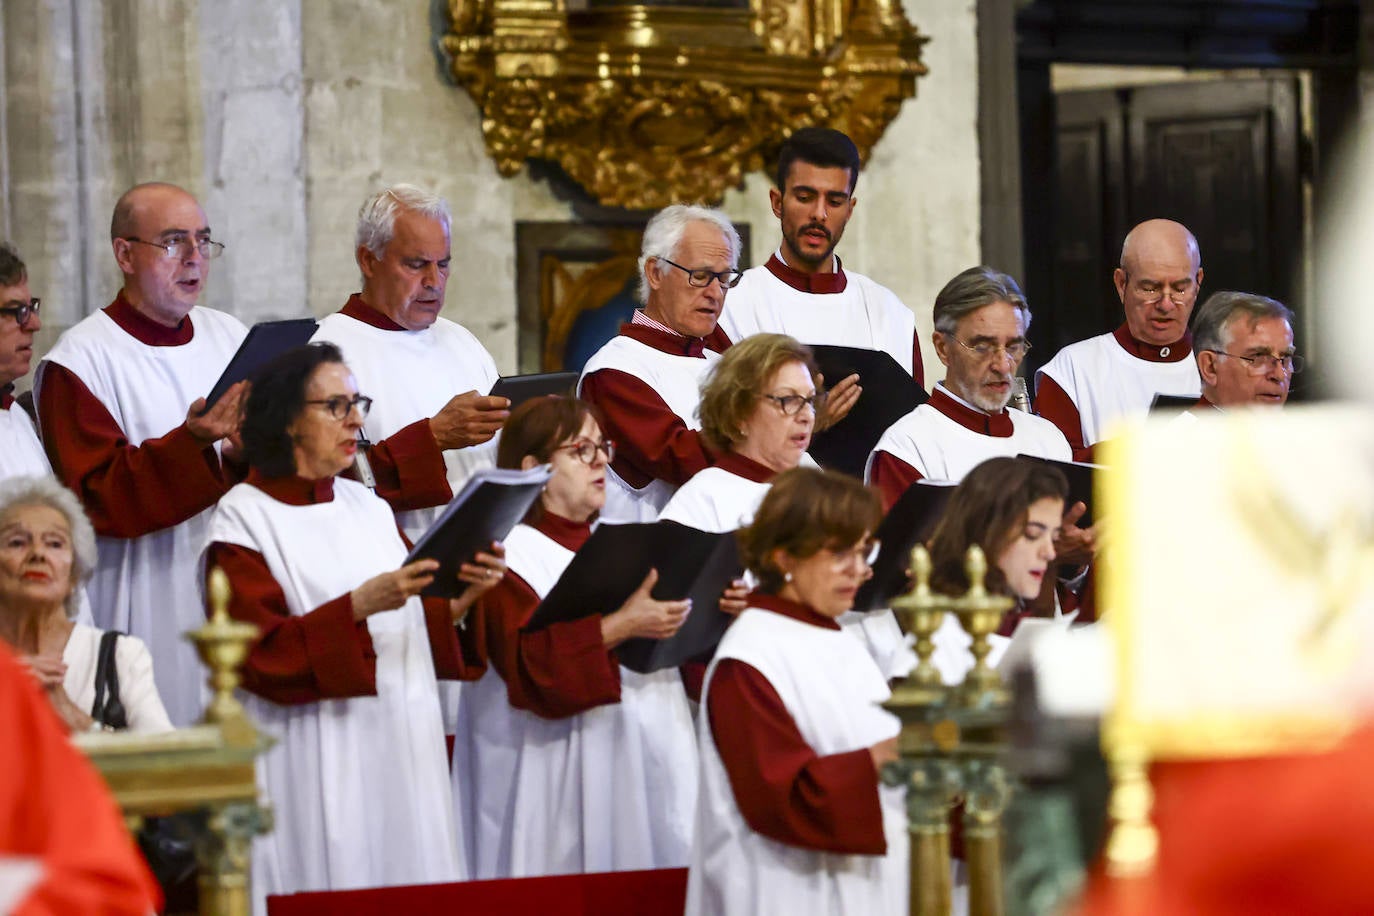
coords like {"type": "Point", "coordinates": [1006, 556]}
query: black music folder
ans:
{"type": "Point", "coordinates": [491, 503]}
{"type": "Point", "coordinates": [612, 565]}
{"type": "Point", "coordinates": [1172, 402]}
{"type": "Point", "coordinates": [889, 393]}
{"type": "Point", "coordinates": [910, 521]}
{"type": "Point", "coordinates": [521, 388]}
{"type": "Point", "coordinates": [1080, 475]}
{"type": "Point", "coordinates": [266, 341]}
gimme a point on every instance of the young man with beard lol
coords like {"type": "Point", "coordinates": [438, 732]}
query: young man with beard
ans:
{"type": "Point", "coordinates": [981, 319]}
{"type": "Point", "coordinates": [803, 290]}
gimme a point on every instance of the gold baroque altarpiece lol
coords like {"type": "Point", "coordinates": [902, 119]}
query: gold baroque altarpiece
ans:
{"type": "Point", "coordinates": [648, 105]}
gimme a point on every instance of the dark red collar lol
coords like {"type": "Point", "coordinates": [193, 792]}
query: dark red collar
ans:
{"type": "Point", "coordinates": [1175, 352]}
{"type": "Point", "coordinates": [793, 609]}
{"type": "Point", "coordinates": [676, 344]}
{"type": "Point", "coordinates": [996, 425]}
{"type": "Point", "coordinates": [6, 396]}
{"type": "Point", "coordinates": [1204, 405]}
{"type": "Point", "coordinates": [821, 283]}
{"type": "Point", "coordinates": [294, 490]}
{"type": "Point", "coordinates": [563, 532]}
{"type": "Point", "coordinates": [361, 311]}
{"type": "Point", "coordinates": [144, 329]}
{"type": "Point", "coordinates": [747, 468]}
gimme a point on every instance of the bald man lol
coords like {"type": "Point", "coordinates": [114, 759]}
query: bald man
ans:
{"type": "Point", "coordinates": [1091, 384]}
{"type": "Point", "coordinates": [122, 412]}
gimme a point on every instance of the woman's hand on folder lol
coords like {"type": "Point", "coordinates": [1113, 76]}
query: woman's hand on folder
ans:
{"type": "Point", "coordinates": [485, 570]}
{"type": "Point", "coordinates": [643, 616]}
{"type": "Point", "coordinates": [735, 599]}
{"type": "Point", "coordinates": [392, 589]}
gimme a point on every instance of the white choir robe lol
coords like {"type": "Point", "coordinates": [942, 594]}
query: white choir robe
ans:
{"type": "Point", "coordinates": [937, 442]}
{"type": "Point", "coordinates": [359, 785]}
{"type": "Point", "coordinates": [832, 690]}
{"type": "Point", "coordinates": [1107, 383]}
{"type": "Point", "coordinates": [147, 586]}
{"type": "Point", "coordinates": [677, 380]}
{"type": "Point", "coordinates": [410, 376]}
{"type": "Point", "coordinates": [612, 788]}
{"type": "Point", "coordinates": [864, 314]}
{"type": "Point", "coordinates": [718, 499]}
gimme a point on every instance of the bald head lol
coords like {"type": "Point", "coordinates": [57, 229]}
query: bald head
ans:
{"type": "Point", "coordinates": [1158, 239]}
{"type": "Point", "coordinates": [1158, 281]}
{"type": "Point", "coordinates": [134, 205]}
{"type": "Point", "coordinates": [162, 244]}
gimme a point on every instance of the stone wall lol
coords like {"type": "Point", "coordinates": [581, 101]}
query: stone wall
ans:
{"type": "Point", "coordinates": [282, 116]}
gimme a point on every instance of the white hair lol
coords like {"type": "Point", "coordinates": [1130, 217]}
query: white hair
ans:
{"type": "Point", "coordinates": [664, 232]}
{"type": "Point", "coordinates": [377, 216]}
{"type": "Point", "coordinates": [46, 491]}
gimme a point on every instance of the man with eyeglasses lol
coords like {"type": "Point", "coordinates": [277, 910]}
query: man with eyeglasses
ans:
{"type": "Point", "coordinates": [432, 423]}
{"type": "Point", "coordinates": [1244, 348]}
{"type": "Point", "coordinates": [1091, 384]}
{"type": "Point", "coordinates": [803, 290]}
{"type": "Point", "coordinates": [122, 412]}
{"type": "Point", "coordinates": [20, 451]}
{"type": "Point", "coordinates": [981, 320]}
{"type": "Point", "coordinates": [646, 381]}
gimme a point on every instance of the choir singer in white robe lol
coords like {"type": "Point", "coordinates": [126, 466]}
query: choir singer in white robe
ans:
{"type": "Point", "coordinates": [343, 674]}
{"type": "Point", "coordinates": [758, 409]}
{"type": "Point", "coordinates": [566, 761]}
{"type": "Point", "coordinates": [792, 818]}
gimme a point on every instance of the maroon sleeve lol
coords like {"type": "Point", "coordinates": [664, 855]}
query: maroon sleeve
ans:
{"type": "Point", "coordinates": [1053, 403]}
{"type": "Point", "coordinates": [652, 442]}
{"type": "Point", "coordinates": [918, 366]}
{"type": "Point", "coordinates": [128, 490]}
{"type": "Point", "coordinates": [784, 789]}
{"type": "Point", "coordinates": [324, 654]}
{"type": "Point", "coordinates": [891, 475]}
{"type": "Point", "coordinates": [559, 671]}
{"type": "Point", "coordinates": [459, 650]}
{"type": "Point", "coordinates": [409, 467]}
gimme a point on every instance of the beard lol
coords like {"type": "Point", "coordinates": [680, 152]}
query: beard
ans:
{"type": "Point", "coordinates": [988, 402]}
{"type": "Point", "coordinates": [794, 241]}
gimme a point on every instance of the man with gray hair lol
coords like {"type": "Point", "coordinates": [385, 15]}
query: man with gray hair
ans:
{"type": "Point", "coordinates": [1091, 384]}
{"type": "Point", "coordinates": [1243, 343]}
{"type": "Point", "coordinates": [432, 420]}
{"type": "Point", "coordinates": [646, 381]}
{"type": "Point", "coordinates": [981, 320]}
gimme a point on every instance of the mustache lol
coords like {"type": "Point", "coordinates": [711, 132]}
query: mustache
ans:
{"type": "Point", "coordinates": [816, 227]}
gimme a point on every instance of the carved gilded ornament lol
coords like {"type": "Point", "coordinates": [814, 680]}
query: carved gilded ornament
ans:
{"type": "Point", "coordinates": [650, 105]}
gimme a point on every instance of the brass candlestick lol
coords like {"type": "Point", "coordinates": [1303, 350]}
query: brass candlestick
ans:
{"type": "Point", "coordinates": [981, 614]}
{"type": "Point", "coordinates": [922, 612]}
{"type": "Point", "coordinates": [223, 644]}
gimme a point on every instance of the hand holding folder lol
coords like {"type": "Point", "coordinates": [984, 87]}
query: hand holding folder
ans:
{"type": "Point", "coordinates": [491, 503]}
{"type": "Point", "coordinates": [889, 393]}
{"type": "Point", "coordinates": [615, 562]}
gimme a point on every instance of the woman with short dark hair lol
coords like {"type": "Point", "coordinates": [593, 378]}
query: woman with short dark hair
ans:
{"type": "Point", "coordinates": [792, 817]}
{"type": "Point", "coordinates": [565, 761]}
{"type": "Point", "coordinates": [343, 672]}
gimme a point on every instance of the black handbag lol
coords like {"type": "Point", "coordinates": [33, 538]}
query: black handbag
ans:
{"type": "Point", "coordinates": [168, 843]}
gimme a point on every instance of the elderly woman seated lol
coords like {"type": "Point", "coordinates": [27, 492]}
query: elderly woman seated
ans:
{"type": "Point", "coordinates": [47, 552]}
{"type": "Point", "coordinates": [343, 674]}
{"type": "Point", "coordinates": [791, 817]}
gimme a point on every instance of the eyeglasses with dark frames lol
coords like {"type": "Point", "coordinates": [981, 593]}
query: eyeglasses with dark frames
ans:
{"type": "Point", "coordinates": [584, 450]}
{"type": "Point", "coordinates": [341, 405]}
{"type": "Point", "coordinates": [792, 404]}
{"type": "Point", "coordinates": [180, 248]}
{"type": "Point", "coordinates": [701, 278]}
{"type": "Point", "coordinates": [22, 313]}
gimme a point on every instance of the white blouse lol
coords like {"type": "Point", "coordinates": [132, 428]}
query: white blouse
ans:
{"type": "Point", "coordinates": [134, 665]}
